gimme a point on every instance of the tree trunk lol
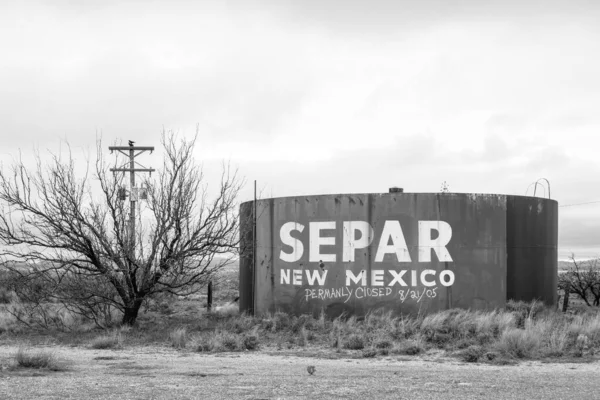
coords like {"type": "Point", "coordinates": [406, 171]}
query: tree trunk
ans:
{"type": "Point", "coordinates": [566, 299]}
{"type": "Point", "coordinates": [131, 313]}
{"type": "Point", "coordinates": [209, 297]}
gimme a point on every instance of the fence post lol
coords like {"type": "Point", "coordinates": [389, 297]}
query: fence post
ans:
{"type": "Point", "coordinates": [567, 291]}
{"type": "Point", "coordinates": [209, 297]}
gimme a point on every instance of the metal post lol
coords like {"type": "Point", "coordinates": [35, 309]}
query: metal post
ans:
{"type": "Point", "coordinates": [254, 247]}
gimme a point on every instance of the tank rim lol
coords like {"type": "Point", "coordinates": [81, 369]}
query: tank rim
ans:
{"type": "Point", "coordinates": [466, 194]}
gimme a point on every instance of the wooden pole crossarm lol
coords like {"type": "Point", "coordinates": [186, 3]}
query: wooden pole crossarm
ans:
{"type": "Point", "coordinates": [127, 148]}
{"type": "Point", "coordinates": [132, 170]}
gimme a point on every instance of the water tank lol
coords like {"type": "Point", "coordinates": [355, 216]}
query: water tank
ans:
{"type": "Point", "coordinates": [404, 252]}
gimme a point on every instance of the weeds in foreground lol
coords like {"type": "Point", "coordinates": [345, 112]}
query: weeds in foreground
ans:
{"type": "Point", "coordinates": [520, 331]}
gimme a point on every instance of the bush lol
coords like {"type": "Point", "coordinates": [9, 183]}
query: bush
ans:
{"type": "Point", "coordinates": [218, 341]}
{"type": "Point", "coordinates": [369, 353]}
{"type": "Point", "coordinates": [250, 342]}
{"type": "Point", "coordinates": [107, 341]}
{"type": "Point", "coordinates": [581, 345]}
{"type": "Point", "coordinates": [472, 354]}
{"type": "Point", "coordinates": [229, 342]}
{"type": "Point", "coordinates": [303, 321]}
{"type": "Point", "coordinates": [37, 360]}
{"type": "Point", "coordinates": [178, 338]}
{"type": "Point", "coordinates": [410, 347]}
{"type": "Point", "coordinates": [524, 311]}
{"type": "Point", "coordinates": [519, 343]}
{"type": "Point", "coordinates": [239, 323]}
{"type": "Point", "coordinates": [281, 321]}
{"type": "Point", "coordinates": [383, 344]}
{"type": "Point", "coordinates": [355, 342]}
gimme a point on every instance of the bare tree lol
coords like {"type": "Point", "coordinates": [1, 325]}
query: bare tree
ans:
{"type": "Point", "coordinates": [74, 232]}
{"type": "Point", "coordinates": [582, 279]}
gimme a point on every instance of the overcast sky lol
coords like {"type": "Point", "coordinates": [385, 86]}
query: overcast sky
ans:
{"type": "Point", "coordinates": [327, 96]}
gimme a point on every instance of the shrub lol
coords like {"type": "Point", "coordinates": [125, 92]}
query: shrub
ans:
{"type": "Point", "coordinates": [523, 311]}
{"type": "Point", "coordinates": [581, 345]}
{"type": "Point", "coordinates": [178, 338]}
{"type": "Point", "coordinates": [303, 321]}
{"type": "Point", "coordinates": [355, 342]}
{"type": "Point", "coordinates": [240, 323]}
{"type": "Point", "coordinates": [218, 341]}
{"type": "Point", "coordinates": [404, 328]}
{"type": "Point", "coordinates": [203, 343]}
{"type": "Point", "coordinates": [519, 343]}
{"type": "Point", "coordinates": [250, 342]}
{"type": "Point", "coordinates": [588, 325]}
{"type": "Point", "coordinates": [229, 342]}
{"type": "Point", "coordinates": [409, 347]}
{"type": "Point", "coordinates": [556, 342]}
{"type": "Point", "coordinates": [38, 360]}
{"type": "Point", "coordinates": [276, 323]}
{"type": "Point", "coordinates": [107, 341]}
{"type": "Point", "coordinates": [472, 354]}
{"type": "Point", "coordinates": [380, 320]}
{"type": "Point", "coordinates": [384, 352]}
{"type": "Point", "coordinates": [383, 344]}
{"type": "Point", "coordinates": [369, 353]}
{"type": "Point", "coordinates": [281, 321]}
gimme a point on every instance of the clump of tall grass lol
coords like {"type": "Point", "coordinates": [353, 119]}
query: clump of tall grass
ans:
{"type": "Point", "coordinates": [277, 322]}
{"type": "Point", "coordinates": [37, 360]}
{"type": "Point", "coordinates": [455, 326]}
{"type": "Point", "coordinates": [112, 340]}
{"type": "Point", "coordinates": [355, 342]}
{"type": "Point", "coordinates": [410, 347]}
{"type": "Point", "coordinates": [222, 341]}
{"type": "Point", "coordinates": [178, 338]}
{"type": "Point", "coordinates": [519, 343]}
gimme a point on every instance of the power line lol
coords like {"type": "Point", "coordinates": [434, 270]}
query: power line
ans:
{"type": "Point", "coordinates": [580, 204]}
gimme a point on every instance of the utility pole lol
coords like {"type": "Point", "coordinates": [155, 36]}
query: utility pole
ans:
{"type": "Point", "coordinates": [134, 193]}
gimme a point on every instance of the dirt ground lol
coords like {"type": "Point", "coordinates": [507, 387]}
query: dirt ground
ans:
{"type": "Point", "coordinates": [162, 373]}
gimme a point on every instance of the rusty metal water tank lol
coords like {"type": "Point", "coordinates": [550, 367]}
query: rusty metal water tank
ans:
{"type": "Point", "coordinates": [405, 252]}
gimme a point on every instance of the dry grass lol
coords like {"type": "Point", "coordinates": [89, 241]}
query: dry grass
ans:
{"type": "Point", "coordinates": [178, 338]}
{"type": "Point", "coordinates": [113, 340]}
{"type": "Point", "coordinates": [37, 360]}
{"type": "Point", "coordinates": [520, 331]}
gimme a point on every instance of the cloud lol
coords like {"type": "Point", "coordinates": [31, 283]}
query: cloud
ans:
{"type": "Point", "coordinates": [320, 97]}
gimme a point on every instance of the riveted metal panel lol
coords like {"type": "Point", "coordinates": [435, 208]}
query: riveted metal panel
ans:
{"type": "Point", "coordinates": [246, 277]}
{"type": "Point", "coordinates": [532, 238]}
